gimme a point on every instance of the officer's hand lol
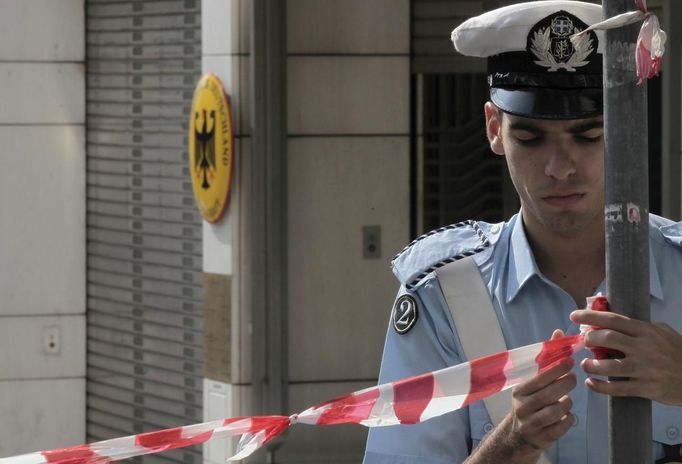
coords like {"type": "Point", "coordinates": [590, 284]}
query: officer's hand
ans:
{"type": "Point", "coordinates": [652, 357]}
{"type": "Point", "coordinates": [541, 407]}
{"type": "Point", "coordinates": [540, 415]}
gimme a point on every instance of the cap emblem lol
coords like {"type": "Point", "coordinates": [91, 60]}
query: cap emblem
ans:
{"type": "Point", "coordinates": [553, 47]}
{"type": "Point", "coordinates": [562, 26]}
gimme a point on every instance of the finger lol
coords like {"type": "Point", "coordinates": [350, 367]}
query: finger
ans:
{"type": "Point", "coordinates": [543, 379]}
{"type": "Point", "coordinates": [555, 431]}
{"type": "Point", "coordinates": [548, 395]}
{"type": "Point", "coordinates": [607, 367]}
{"type": "Point", "coordinates": [558, 333]}
{"type": "Point", "coordinates": [607, 338]}
{"type": "Point", "coordinates": [552, 413]}
{"type": "Point", "coordinates": [607, 320]}
{"type": "Point", "coordinates": [615, 387]}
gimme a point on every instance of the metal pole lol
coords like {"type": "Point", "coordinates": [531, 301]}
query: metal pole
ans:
{"type": "Point", "coordinates": [671, 120]}
{"type": "Point", "coordinates": [268, 209]}
{"type": "Point", "coordinates": [627, 219]}
{"type": "Point", "coordinates": [257, 226]}
{"type": "Point", "coordinates": [276, 207]}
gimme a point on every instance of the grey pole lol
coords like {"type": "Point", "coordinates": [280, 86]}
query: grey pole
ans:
{"type": "Point", "coordinates": [266, 223]}
{"type": "Point", "coordinates": [670, 119]}
{"type": "Point", "coordinates": [627, 219]}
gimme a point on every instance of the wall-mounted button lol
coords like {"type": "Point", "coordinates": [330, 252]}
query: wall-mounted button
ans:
{"type": "Point", "coordinates": [488, 427]}
{"type": "Point", "coordinates": [672, 432]}
{"type": "Point", "coordinates": [371, 242]}
{"type": "Point", "coordinates": [52, 340]}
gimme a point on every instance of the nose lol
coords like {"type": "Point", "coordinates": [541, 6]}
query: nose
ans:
{"type": "Point", "coordinates": [559, 163]}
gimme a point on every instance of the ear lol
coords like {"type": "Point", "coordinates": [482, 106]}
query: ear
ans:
{"type": "Point", "coordinates": [493, 125]}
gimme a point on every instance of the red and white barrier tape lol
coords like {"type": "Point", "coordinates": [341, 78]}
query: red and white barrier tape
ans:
{"type": "Point", "coordinates": [406, 401]}
{"type": "Point", "coordinates": [650, 42]}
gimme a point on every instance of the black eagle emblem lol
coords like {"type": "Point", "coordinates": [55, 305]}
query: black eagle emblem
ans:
{"type": "Point", "coordinates": [204, 148]}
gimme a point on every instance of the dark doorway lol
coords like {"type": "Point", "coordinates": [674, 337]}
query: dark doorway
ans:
{"type": "Point", "coordinates": [462, 177]}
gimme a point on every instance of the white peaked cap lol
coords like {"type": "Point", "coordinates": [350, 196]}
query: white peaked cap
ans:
{"type": "Point", "coordinates": [506, 29]}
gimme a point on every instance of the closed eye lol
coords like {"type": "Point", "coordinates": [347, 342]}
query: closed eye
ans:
{"type": "Point", "coordinates": [591, 136]}
{"type": "Point", "coordinates": [529, 142]}
{"type": "Point", "coordinates": [528, 138]}
{"type": "Point", "coordinates": [580, 138]}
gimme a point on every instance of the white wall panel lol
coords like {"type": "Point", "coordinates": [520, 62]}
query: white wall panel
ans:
{"type": "Point", "coordinates": [223, 400]}
{"type": "Point", "coordinates": [218, 239]}
{"type": "Point", "coordinates": [335, 295]}
{"type": "Point", "coordinates": [38, 93]}
{"type": "Point", "coordinates": [222, 29]}
{"type": "Point", "coordinates": [348, 26]}
{"type": "Point", "coordinates": [42, 30]}
{"type": "Point", "coordinates": [31, 358]}
{"type": "Point", "coordinates": [217, 406]}
{"type": "Point", "coordinates": [42, 197]}
{"type": "Point", "coordinates": [217, 246]}
{"type": "Point", "coordinates": [42, 232]}
{"type": "Point", "coordinates": [348, 95]}
{"type": "Point", "coordinates": [41, 414]}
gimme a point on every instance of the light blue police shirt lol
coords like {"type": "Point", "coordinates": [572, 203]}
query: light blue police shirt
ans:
{"type": "Point", "coordinates": [529, 307]}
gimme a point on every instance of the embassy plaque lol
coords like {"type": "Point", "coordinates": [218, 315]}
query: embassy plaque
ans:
{"type": "Point", "coordinates": [211, 147]}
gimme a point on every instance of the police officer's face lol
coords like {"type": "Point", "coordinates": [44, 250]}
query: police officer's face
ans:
{"type": "Point", "coordinates": [557, 167]}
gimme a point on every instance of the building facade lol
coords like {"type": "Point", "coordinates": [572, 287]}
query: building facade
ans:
{"type": "Point", "coordinates": [357, 128]}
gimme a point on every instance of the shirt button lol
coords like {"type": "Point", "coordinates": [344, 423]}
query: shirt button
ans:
{"type": "Point", "coordinates": [672, 432]}
{"type": "Point", "coordinates": [488, 427]}
{"type": "Point", "coordinates": [494, 229]}
{"type": "Point", "coordinates": [577, 421]}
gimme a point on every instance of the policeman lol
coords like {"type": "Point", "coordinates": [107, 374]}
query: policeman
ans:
{"type": "Point", "coordinates": [545, 118]}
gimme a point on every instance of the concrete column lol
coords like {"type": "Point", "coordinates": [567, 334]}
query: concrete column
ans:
{"type": "Point", "coordinates": [42, 231]}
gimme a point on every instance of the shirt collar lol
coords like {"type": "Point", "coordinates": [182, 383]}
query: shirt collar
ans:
{"type": "Point", "coordinates": [655, 288]}
{"type": "Point", "coordinates": [522, 265]}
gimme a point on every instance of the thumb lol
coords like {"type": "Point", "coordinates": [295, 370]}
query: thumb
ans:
{"type": "Point", "coordinates": [558, 333]}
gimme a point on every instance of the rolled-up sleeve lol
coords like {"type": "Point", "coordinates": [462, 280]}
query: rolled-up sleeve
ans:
{"type": "Point", "coordinates": [428, 346]}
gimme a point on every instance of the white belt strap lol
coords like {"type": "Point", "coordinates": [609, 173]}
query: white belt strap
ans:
{"type": "Point", "coordinates": [477, 324]}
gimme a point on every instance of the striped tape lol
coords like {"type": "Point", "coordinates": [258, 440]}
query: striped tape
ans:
{"type": "Point", "coordinates": [406, 401]}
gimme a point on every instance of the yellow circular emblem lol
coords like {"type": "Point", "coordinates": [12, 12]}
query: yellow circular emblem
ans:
{"type": "Point", "coordinates": [211, 143]}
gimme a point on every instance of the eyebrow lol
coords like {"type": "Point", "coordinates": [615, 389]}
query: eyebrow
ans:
{"type": "Point", "coordinates": [586, 126]}
{"type": "Point", "coordinates": [525, 126]}
{"type": "Point", "coordinates": [575, 129]}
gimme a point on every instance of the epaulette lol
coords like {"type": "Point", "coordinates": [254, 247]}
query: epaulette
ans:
{"type": "Point", "coordinates": [440, 247]}
{"type": "Point", "coordinates": [670, 231]}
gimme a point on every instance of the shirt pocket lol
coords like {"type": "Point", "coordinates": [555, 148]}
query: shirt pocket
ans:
{"type": "Point", "coordinates": [667, 427]}
{"type": "Point", "coordinates": [667, 423]}
{"type": "Point", "coordinates": [479, 423]}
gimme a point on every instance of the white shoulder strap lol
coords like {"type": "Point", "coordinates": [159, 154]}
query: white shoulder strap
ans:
{"type": "Point", "coordinates": [477, 324]}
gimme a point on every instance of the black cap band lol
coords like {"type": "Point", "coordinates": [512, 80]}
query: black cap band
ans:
{"type": "Point", "coordinates": [549, 103]}
{"type": "Point", "coordinates": [517, 69]}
